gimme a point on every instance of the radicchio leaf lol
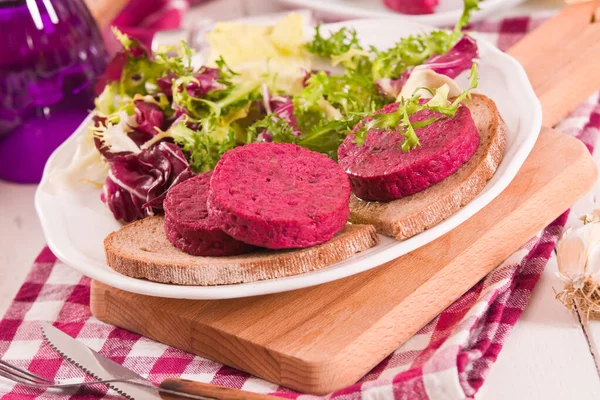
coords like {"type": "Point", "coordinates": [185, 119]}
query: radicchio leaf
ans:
{"type": "Point", "coordinates": [284, 107]}
{"type": "Point", "coordinates": [139, 137]}
{"type": "Point", "coordinates": [148, 116]}
{"type": "Point", "coordinates": [113, 72]}
{"type": "Point", "coordinates": [99, 142]}
{"type": "Point", "coordinates": [208, 80]}
{"type": "Point", "coordinates": [165, 83]}
{"type": "Point", "coordinates": [308, 74]}
{"type": "Point", "coordinates": [98, 122]}
{"type": "Point", "coordinates": [264, 136]}
{"type": "Point", "coordinates": [138, 183]}
{"type": "Point", "coordinates": [458, 59]}
{"type": "Point", "coordinates": [118, 139]}
{"type": "Point", "coordinates": [279, 123]}
{"type": "Point", "coordinates": [116, 66]}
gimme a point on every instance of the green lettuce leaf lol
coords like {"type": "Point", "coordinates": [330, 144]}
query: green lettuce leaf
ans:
{"type": "Point", "coordinates": [399, 121]}
{"type": "Point", "coordinates": [343, 47]}
{"type": "Point", "coordinates": [337, 43]}
{"type": "Point", "coordinates": [279, 129]}
{"type": "Point", "coordinates": [204, 149]}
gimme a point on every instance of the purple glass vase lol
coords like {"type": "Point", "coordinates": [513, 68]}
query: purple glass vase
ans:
{"type": "Point", "coordinates": [50, 55]}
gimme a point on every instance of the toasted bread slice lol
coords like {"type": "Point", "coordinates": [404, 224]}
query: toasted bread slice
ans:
{"type": "Point", "coordinates": [141, 250]}
{"type": "Point", "coordinates": [411, 215]}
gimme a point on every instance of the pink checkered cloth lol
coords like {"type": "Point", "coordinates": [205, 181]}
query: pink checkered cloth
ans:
{"type": "Point", "coordinates": [447, 359]}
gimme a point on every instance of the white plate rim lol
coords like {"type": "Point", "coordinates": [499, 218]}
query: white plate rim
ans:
{"type": "Point", "coordinates": [78, 261]}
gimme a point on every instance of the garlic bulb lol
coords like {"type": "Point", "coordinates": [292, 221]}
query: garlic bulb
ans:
{"type": "Point", "coordinates": [578, 257]}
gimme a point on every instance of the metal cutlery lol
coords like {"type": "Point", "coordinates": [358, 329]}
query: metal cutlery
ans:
{"type": "Point", "coordinates": [121, 379]}
{"type": "Point", "coordinates": [19, 375]}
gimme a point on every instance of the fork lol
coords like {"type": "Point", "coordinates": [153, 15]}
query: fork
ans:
{"type": "Point", "coordinates": [28, 378]}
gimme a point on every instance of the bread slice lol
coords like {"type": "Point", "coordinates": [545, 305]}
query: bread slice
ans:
{"type": "Point", "coordinates": [141, 250]}
{"type": "Point", "coordinates": [411, 215]}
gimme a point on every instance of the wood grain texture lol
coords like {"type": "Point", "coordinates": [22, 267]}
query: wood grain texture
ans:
{"type": "Point", "coordinates": [562, 58]}
{"type": "Point", "coordinates": [168, 386]}
{"type": "Point", "coordinates": [322, 338]}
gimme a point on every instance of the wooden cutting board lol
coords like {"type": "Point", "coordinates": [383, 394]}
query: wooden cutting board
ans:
{"type": "Point", "coordinates": [562, 59]}
{"type": "Point", "coordinates": [320, 339]}
{"type": "Point", "coordinates": [326, 337]}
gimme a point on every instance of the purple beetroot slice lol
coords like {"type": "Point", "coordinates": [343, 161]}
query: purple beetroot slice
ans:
{"type": "Point", "coordinates": [188, 225]}
{"type": "Point", "coordinates": [279, 195]}
{"type": "Point", "coordinates": [380, 171]}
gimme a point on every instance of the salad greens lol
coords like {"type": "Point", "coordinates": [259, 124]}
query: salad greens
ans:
{"type": "Point", "coordinates": [338, 43]}
{"type": "Point", "coordinates": [333, 104]}
{"type": "Point", "coordinates": [202, 106]}
{"type": "Point", "coordinates": [157, 110]}
{"type": "Point", "coordinates": [469, 7]}
{"type": "Point", "coordinates": [212, 110]}
{"type": "Point", "coordinates": [204, 150]}
{"type": "Point", "coordinates": [343, 46]}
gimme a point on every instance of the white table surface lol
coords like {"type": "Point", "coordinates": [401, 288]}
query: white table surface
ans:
{"type": "Point", "coordinates": [546, 356]}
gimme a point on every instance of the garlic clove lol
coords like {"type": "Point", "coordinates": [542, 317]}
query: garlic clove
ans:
{"type": "Point", "coordinates": [593, 263]}
{"type": "Point", "coordinates": [592, 266]}
{"type": "Point", "coordinates": [578, 257]}
{"type": "Point", "coordinates": [571, 255]}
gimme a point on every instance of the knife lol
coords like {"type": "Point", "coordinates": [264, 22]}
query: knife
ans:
{"type": "Point", "coordinates": [134, 386]}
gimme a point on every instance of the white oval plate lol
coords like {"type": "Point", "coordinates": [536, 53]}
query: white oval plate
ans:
{"type": "Point", "coordinates": [446, 13]}
{"type": "Point", "coordinates": [76, 223]}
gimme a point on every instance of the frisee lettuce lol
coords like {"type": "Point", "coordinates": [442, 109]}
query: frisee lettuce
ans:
{"type": "Point", "coordinates": [324, 136]}
{"type": "Point", "coordinates": [348, 93]}
{"type": "Point", "coordinates": [356, 92]}
{"type": "Point", "coordinates": [343, 47]}
{"type": "Point", "coordinates": [469, 7]}
{"type": "Point", "coordinates": [179, 65]}
{"type": "Point", "coordinates": [337, 43]}
{"type": "Point", "coordinates": [204, 149]}
{"type": "Point", "coordinates": [399, 120]}
{"type": "Point", "coordinates": [139, 69]}
{"type": "Point", "coordinates": [218, 128]}
{"type": "Point", "coordinates": [217, 104]}
{"type": "Point", "coordinates": [408, 52]}
{"type": "Point", "coordinates": [278, 129]}
{"type": "Point", "coordinates": [216, 109]}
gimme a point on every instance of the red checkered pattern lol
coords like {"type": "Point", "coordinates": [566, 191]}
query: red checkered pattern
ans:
{"type": "Point", "coordinates": [447, 359]}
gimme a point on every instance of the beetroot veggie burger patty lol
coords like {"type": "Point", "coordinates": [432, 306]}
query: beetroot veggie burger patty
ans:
{"type": "Point", "coordinates": [188, 225]}
{"type": "Point", "coordinates": [279, 195]}
{"type": "Point", "coordinates": [380, 171]}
